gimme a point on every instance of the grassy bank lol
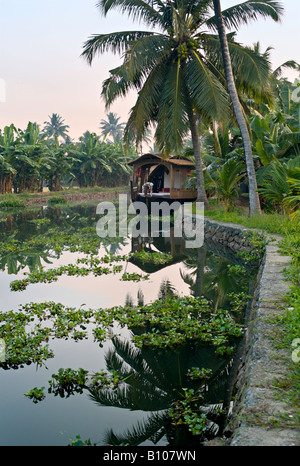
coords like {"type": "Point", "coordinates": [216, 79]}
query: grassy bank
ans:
{"type": "Point", "coordinates": [67, 194]}
{"type": "Point", "coordinates": [286, 328]}
{"type": "Point", "coordinates": [67, 190]}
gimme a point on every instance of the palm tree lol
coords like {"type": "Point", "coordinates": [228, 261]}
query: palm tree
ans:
{"type": "Point", "coordinates": [173, 71]}
{"type": "Point", "coordinates": [56, 128]}
{"type": "Point", "coordinates": [265, 8]}
{"type": "Point", "coordinates": [170, 87]}
{"type": "Point", "coordinates": [112, 127]}
{"type": "Point", "coordinates": [153, 381]}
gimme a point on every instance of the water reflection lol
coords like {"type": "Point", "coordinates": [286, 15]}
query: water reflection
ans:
{"type": "Point", "coordinates": [34, 238]}
{"type": "Point", "coordinates": [154, 380]}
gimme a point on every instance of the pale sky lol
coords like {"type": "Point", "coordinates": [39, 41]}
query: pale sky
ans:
{"type": "Point", "coordinates": [41, 71]}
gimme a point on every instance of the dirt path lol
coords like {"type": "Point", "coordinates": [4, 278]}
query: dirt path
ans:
{"type": "Point", "coordinates": [75, 197]}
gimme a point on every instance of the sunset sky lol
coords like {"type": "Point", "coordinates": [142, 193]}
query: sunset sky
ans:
{"type": "Point", "coordinates": [43, 73]}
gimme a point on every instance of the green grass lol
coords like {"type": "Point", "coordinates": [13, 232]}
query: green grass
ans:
{"type": "Point", "coordinates": [8, 201]}
{"type": "Point", "coordinates": [286, 323]}
{"type": "Point", "coordinates": [57, 200]}
{"type": "Point", "coordinates": [68, 190]}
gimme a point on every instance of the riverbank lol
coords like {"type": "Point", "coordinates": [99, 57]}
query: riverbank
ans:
{"type": "Point", "coordinates": [267, 408]}
{"type": "Point", "coordinates": [266, 403]}
{"type": "Point", "coordinates": [69, 195]}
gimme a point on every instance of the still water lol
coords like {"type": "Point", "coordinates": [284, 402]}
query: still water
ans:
{"type": "Point", "coordinates": [136, 414]}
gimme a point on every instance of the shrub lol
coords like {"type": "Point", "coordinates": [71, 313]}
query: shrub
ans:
{"type": "Point", "coordinates": [11, 202]}
{"type": "Point", "coordinates": [57, 200]}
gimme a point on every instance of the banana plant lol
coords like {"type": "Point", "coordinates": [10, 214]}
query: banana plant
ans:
{"type": "Point", "coordinates": [281, 186]}
{"type": "Point", "coordinates": [28, 156]}
{"type": "Point", "coordinates": [8, 142]}
{"type": "Point", "coordinates": [90, 155]}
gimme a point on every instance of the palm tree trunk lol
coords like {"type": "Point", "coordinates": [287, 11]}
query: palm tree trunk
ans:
{"type": "Point", "coordinates": [201, 196]}
{"type": "Point", "coordinates": [254, 203]}
{"type": "Point", "coordinates": [201, 257]}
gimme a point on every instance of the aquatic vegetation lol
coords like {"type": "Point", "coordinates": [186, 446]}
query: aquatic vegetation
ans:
{"type": "Point", "coordinates": [164, 324]}
{"type": "Point", "coordinates": [26, 334]}
{"type": "Point", "coordinates": [177, 320]}
{"type": "Point", "coordinates": [187, 412]}
{"type": "Point", "coordinates": [36, 394]}
{"type": "Point", "coordinates": [78, 442]}
{"type": "Point", "coordinates": [67, 382]}
{"type": "Point", "coordinates": [135, 277]}
{"type": "Point", "coordinates": [51, 275]}
{"type": "Point", "coordinates": [152, 257]}
{"type": "Point", "coordinates": [171, 323]}
{"type": "Point", "coordinates": [238, 301]}
{"type": "Point", "coordinates": [195, 373]}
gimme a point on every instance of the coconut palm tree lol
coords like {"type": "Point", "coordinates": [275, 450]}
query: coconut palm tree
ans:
{"type": "Point", "coordinates": [264, 8]}
{"type": "Point", "coordinates": [153, 382]}
{"type": "Point", "coordinates": [112, 127]}
{"type": "Point", "coordinates": [56, 128]}
{"type": "Point", "coordinates": [173, 70]}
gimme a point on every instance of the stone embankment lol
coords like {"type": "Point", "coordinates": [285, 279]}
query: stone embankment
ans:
{"type": "Point", "coordinates": [258, 415]}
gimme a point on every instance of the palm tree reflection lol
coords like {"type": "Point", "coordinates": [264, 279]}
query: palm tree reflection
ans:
{"type": "Point", "coordinates": [153, 381]}
{"type": "Point", "coordinates": [211, 277]}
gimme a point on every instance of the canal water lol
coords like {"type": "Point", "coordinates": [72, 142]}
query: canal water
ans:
{"type": "Point", "coordinates": [131, 413]}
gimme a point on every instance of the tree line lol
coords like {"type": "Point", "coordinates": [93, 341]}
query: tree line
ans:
{"type": "Point", "coordinates": [201, 93]}
{"type": "Point", "coordinates": [35, 158]}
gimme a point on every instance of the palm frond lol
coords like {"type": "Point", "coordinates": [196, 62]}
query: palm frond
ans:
{"type": "Point", "coordinates": [243, 13]}
{"type": "Point", "coordinates": [139, 433]}
{"type": "Point", "coordinates": [290, 65]}
{"type": "Point", "coordinates": [145, 53]}
{"type": "Point", "coordinates": [206, 91]}
{"type": "Point", "coordinates": [172, 117]}
{"type": "Point", "coordinates": [116, 42]}
{"type": "Point", "coordinates": [135, 9]}
{"type": "Point", "coordinates": [251, 69]}
{"type": "Point", "coordinates": [146, 104]}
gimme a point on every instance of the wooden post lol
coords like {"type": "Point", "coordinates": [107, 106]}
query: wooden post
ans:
{"type": "Point", "coordinates": [171, 181]}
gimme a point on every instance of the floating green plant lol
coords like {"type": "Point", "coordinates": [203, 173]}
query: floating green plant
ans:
{"type": "Point", "coordinates": [152, 257]}
{"type": "Point", "coordinates": [36, 394]}
{"type": "Point", "coordinates": [166, 323]}
{"type": "Point", "coordinates": [135, 277]}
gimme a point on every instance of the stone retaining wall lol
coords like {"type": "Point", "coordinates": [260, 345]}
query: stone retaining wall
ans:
{"type": "Point", "coordinates": [257, 411]}
{"type": "Point", "coordinates": [230, 241]}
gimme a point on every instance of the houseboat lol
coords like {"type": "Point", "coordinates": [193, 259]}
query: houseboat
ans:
{"type": "Point", "coordinates": [165, 177]}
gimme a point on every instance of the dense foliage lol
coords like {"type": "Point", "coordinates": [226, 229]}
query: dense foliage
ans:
{"type": "Point", "coordinates": [37, 158]}
{"type": "Point", "coordinates": [276, 147]}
